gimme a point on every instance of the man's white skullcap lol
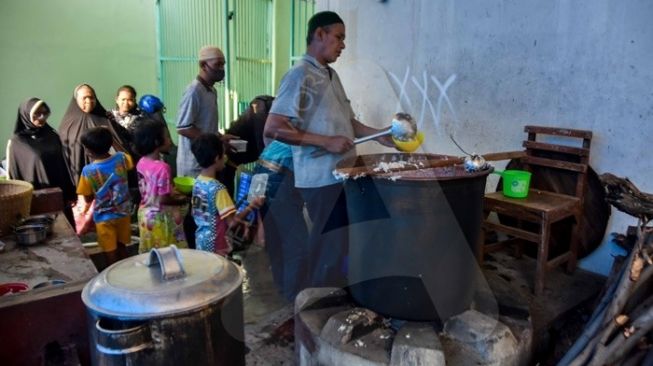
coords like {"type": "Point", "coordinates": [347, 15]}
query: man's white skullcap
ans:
{"type": "Point", "coordinates": [209, 52]}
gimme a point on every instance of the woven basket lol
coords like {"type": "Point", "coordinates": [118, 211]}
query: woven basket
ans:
{"type": "Point", "coordinates": [15, 200]}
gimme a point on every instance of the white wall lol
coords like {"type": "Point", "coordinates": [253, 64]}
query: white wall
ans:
{"type": "Point", "coordinates": [578, 64]}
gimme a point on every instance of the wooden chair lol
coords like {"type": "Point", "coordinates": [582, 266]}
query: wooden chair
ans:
{"type": "Point", "coordinates": [542, 208]}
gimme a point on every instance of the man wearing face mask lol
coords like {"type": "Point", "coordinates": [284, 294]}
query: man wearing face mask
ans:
{"type": "Point", "coordinates": [198, 111]}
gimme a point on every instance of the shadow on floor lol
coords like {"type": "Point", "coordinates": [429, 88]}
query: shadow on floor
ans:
{"type": "Point", "coordinates": [269, 321]}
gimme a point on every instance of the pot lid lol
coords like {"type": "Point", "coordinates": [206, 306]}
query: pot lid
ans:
{"type": "Point", "coordinates": [160, 283]}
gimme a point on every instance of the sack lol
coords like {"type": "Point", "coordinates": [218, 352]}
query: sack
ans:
{"type": "Point", "coordinates": [83, 219]}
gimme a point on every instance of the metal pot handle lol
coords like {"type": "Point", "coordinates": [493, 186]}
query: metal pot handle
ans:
{"type": "Point", "coordinates": [170, 261]}
{"type": "Point", "coordinates": [123, 341]}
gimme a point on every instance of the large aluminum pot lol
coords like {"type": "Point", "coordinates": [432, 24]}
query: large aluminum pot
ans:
{"type": "Point", "coordinates": [167, 307]}
{"type": "Point", "coordinates": [413, 236]}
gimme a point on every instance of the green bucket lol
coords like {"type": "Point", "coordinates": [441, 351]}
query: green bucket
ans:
{"type": "Point", "coordinates": [515, 183]}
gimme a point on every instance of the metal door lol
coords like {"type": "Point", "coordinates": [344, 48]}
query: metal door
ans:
{"type": "Point", "coordinates": [301, 12]}
{"type": "Point", "coordinates": [183, 27]}
{"type": "Point", "coordinates": [251, 46]}
{"type": "Point", "coordinates": [243, 29]}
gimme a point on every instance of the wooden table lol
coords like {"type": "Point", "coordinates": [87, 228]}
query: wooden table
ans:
{"type": "Point", "coordinates": [40, 319]}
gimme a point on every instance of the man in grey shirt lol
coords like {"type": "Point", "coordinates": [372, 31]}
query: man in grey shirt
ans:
{"type": "Point", "coordinates": [198, 113]}
{"type": "Point", "coordinates": [198, 110]}
{"type": "Point", "coordinates": [312, 113]}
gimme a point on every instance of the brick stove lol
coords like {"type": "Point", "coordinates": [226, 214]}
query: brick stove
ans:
{"type": "Point", "coordinates": [331, 330]}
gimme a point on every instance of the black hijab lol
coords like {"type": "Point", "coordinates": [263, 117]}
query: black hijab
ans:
{"type": "Point", "coordinates": [249, 126]}
{"type": "Point", "coordinates": [36, 153]}
{"type": "Point", "coordinates": [74, 123]}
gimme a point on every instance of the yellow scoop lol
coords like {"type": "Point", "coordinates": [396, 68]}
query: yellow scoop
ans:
{"type": "Point", "coordinates": [410, 145]}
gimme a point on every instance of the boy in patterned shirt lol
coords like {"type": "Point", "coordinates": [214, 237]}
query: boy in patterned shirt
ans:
{"type": "Point", "coordinates": [212, 208]}
{"type": "Point", "coordinates": [105, 180]}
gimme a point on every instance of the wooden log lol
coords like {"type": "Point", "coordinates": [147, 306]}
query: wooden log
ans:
{"type": "Point", "coordinates": [597, 338]}
{"type": "Point", "coordinates": [621, 346]}
{"type": "Point", "coordinates": [623, 292]}
{"type": "Point", "coordinates": [622, 194]}
{"type": "Point", "coordinates": [592, 326]}
{"type": "Point", "coordinates": [605, 347]}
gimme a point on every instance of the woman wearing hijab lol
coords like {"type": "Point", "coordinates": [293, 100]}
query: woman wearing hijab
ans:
{"type": "Point", "coordinates": [248, 127]}
{"type": "Point", "coordinates": [85, 112]}
{"type": "Point", "coordinates": [35, 153]}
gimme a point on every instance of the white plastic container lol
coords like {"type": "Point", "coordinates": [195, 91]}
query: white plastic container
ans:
{"type": "Point", "coordinates": [239, 145]}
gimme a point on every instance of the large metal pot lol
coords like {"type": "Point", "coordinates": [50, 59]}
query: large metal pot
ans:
{"type": "Point", "coordinates": [413, 236]}
{"type": "Point", "coordinates": [167, 307]}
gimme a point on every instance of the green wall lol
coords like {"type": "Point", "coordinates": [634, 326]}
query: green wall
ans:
{"type": "Point", "coordinates": [50, 46]}
{"type": "Point", "coordinates": [281, 44]}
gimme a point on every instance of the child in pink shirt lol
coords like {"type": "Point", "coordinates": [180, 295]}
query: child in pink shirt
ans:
{"type": "Point", "coordinates": [161, 211]}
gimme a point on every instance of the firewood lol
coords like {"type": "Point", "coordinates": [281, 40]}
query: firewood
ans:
{"type": "Point", "coordinates": [622, 293]}
{"type": "Point", "coordinates": [645, 276]}
{"type": "Point", "coordinates": [635, 359]}
{"type": "Point", "coordinates": [581, 350]}
{"type": "Point", "coordinates": [622, 194]}
{"type": "Point", "coordinates": [621, 319]}
{"type": "Point", "coordinates": [606, 345]}
{"type": "Point", "coordinates": [598, 332]}
{"type": "Point", "coordinates": [621, 346]}
{"type": "Point", "coordinates": [641, 308]}
{"type": "Point", "coordinates": [624, 317]}
{"type": "Point", "coordinates": [636, 270]}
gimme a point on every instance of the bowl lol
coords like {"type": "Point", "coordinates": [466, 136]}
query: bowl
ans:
{"type": "Point", "coordinates": [49, 283]}
{"type": "Point", "coordinates": [30, 234]}
{"type": "Point", "coordinates": [184, 184]}
{"type": "Point", "coordinates": [45, 220]}
{"type": "Point", "coordinates": [12, 288]}
{"type": "Point", "coordinates": [410, 145]}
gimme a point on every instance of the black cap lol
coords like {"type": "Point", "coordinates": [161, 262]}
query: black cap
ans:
{"type": "Point", "coordinates": [321, 19]}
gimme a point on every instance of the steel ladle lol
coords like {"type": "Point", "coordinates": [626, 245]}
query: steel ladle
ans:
{"type": "Point", "coordinates": [472, 162]}
{"type": "Point", "coordinates": [402, 127]}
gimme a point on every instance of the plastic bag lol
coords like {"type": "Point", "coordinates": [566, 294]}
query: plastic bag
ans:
{"type": "Point", "coordinates": [83, 216]}
{"type": "Point", "coordinates": [242, 193]}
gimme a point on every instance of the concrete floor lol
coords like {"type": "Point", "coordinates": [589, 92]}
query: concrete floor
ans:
{"type": "Point", "coordinates": [268, 316]}
{"type": "Point", "coordinates": [259, 291]}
